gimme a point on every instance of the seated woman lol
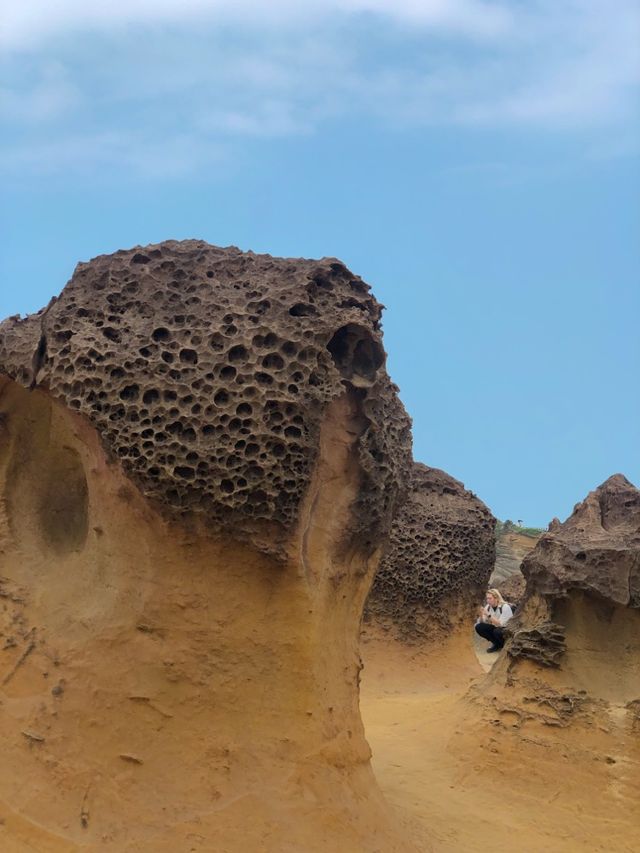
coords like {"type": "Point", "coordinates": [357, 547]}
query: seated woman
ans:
{"type": "Point", "coordinates": [493, 617]}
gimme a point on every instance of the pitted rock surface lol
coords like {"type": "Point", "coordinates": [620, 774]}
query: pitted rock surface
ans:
{"type": "Point", "coordinates": [207, 372]}
{"type": "Point", "coordinates": [543, 643]}
{"type": "Point", "coordinates": [512, 589]}
{"type": "Point", "coordinates": [597, 550]}
{"type": "Point", "coordinates": [440, 557]}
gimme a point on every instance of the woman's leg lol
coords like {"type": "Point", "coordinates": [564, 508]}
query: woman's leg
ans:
{"type": "Point", "coordinates": [491, 633]}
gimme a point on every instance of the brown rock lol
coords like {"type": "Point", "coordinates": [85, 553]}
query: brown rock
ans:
{"type": "Point", "coordinates": [512, 546]}
{"type": "Point", "coordinates": [194, 499]}
{"type": "Point", "coordinates": [581, 610]}
{"type": "Point", "coordinates": [543, 642]}
{"type": "Point", "coordinates": [597, 550]}
{"type": "Point", "coordinates": [207, 372]}
{"type": "Point", "coordinates": [512, 589]}
{"type": "Point", "coordinates": [440, 556]}
{"type": "Point", "coordinates": [566, 690]}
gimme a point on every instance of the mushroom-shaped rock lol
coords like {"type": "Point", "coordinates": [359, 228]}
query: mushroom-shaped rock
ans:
{"type": "Point", "coordinates": [200, 456]}
{"type": "Point", "coordinates": [440, 556]}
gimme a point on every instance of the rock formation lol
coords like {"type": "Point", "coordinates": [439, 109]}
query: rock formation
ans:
{"type": "Point", "coordinates": [200, 455]}
{"type": "Point", "coordinates": [559, 709]}
{"type": "Point", "coordinates": [512, 546]}
{"type": "Point", "coordinates": [441, 553]}
{"type": "Point", "coordinates": [572, 660]}
{"type": "Point", "coordinates": [512, 588]}
{"type": "Point", "coordinates": [581, 575]}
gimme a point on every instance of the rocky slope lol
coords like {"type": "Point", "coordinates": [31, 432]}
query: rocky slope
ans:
{"type": "Point", "coordinates": [200, 454]}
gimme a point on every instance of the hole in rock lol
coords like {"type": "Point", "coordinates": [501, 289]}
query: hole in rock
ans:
{"type": "Point", "coordinates": [188, 356]}
{"type": "Point", "coordinates": [130, 392]}
{"type": "Point", "coordinates": [356, 354]}
{"type": "Point", "coordinates": [238, 353]}
{"type": "Point", "coordinates": [161, 334]}
{"type": "Point", "coordinates": [273, 360]}
{"type": "Point", "coordinates": [302, 309]}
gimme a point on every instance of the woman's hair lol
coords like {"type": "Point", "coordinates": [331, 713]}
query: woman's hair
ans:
{"type": "Point", "coordinates": [496, 594]}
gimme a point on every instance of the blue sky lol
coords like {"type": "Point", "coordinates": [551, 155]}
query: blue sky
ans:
{"type": "Point", "coordinates": [476, 162]}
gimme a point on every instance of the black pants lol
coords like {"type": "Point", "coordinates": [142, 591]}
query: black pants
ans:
{"type": "Point", "coordinates": [490, 632]}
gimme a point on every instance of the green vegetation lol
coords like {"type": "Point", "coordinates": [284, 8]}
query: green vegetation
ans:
{"type": "Point", "coordinates": [508, 526]}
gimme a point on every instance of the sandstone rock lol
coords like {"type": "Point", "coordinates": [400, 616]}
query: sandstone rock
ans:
{"type": "Point", "coordinates": [207, 373]}
{"type": "Point", "coordinates": [581, 609]}
{"type": "Point", "coordinates": [571, 663]}
{"type": "Point", "coordinates": [512, 589]}
{"type": "Point", "coordinates": [511, 549]}
{"type": "Point", "coordinates": [543, 643]}
{"type": "Point", "coordinates": [200, 450]}
{"type": "Point", "coordinates": [596, 550]}
{"type": "Point", "coordinates": [440, 556]}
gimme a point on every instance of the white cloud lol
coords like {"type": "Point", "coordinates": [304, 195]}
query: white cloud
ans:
{"type": "Point", "coordinates": [143, 82]}
{"type": "Point", "coordinates": [125, 154]}
{"type": "Point", "coordinates": [32, 21]}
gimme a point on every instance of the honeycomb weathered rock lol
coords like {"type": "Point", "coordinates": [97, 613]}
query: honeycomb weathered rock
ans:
{"type": "Point", "coordinates": [207, 372]}
{"type": "Point", "coordinates": [440, 557]}
{"type": "Point", "coordinates": [200, 452]}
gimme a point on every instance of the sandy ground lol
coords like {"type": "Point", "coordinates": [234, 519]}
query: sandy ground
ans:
{"type": "Point", "coordinates": [461, 785]}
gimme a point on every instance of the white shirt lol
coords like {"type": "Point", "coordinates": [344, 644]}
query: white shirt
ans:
{"type": "Point", "coordinates": [502, 612]}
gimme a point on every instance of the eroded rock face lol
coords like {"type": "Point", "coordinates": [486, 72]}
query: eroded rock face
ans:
{"type": "Point", "coordinates": [582, 598]}
{"type": "Point", "coordinates": [440, 556]}
{"type": "Point", "coordinates": [596, 550]}
{"type": "Point", "coordinates": [572, 660]}
{"type": "Point", "coordinates": [207, 373]}
{"type": "Point", "coordinates": [199, 452]}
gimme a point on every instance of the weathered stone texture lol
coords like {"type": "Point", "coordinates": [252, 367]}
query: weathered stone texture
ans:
{"type": "Point", "coordinates": [592, 560]}
{"type": "Point", "coordinates": [207, 372]}
{"type": "Point", "coordinates": [597, 550]}
{"type": "Point", "coordinates": [440, 557]}
{"type": "Point", "coordinates": [543, 643]}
